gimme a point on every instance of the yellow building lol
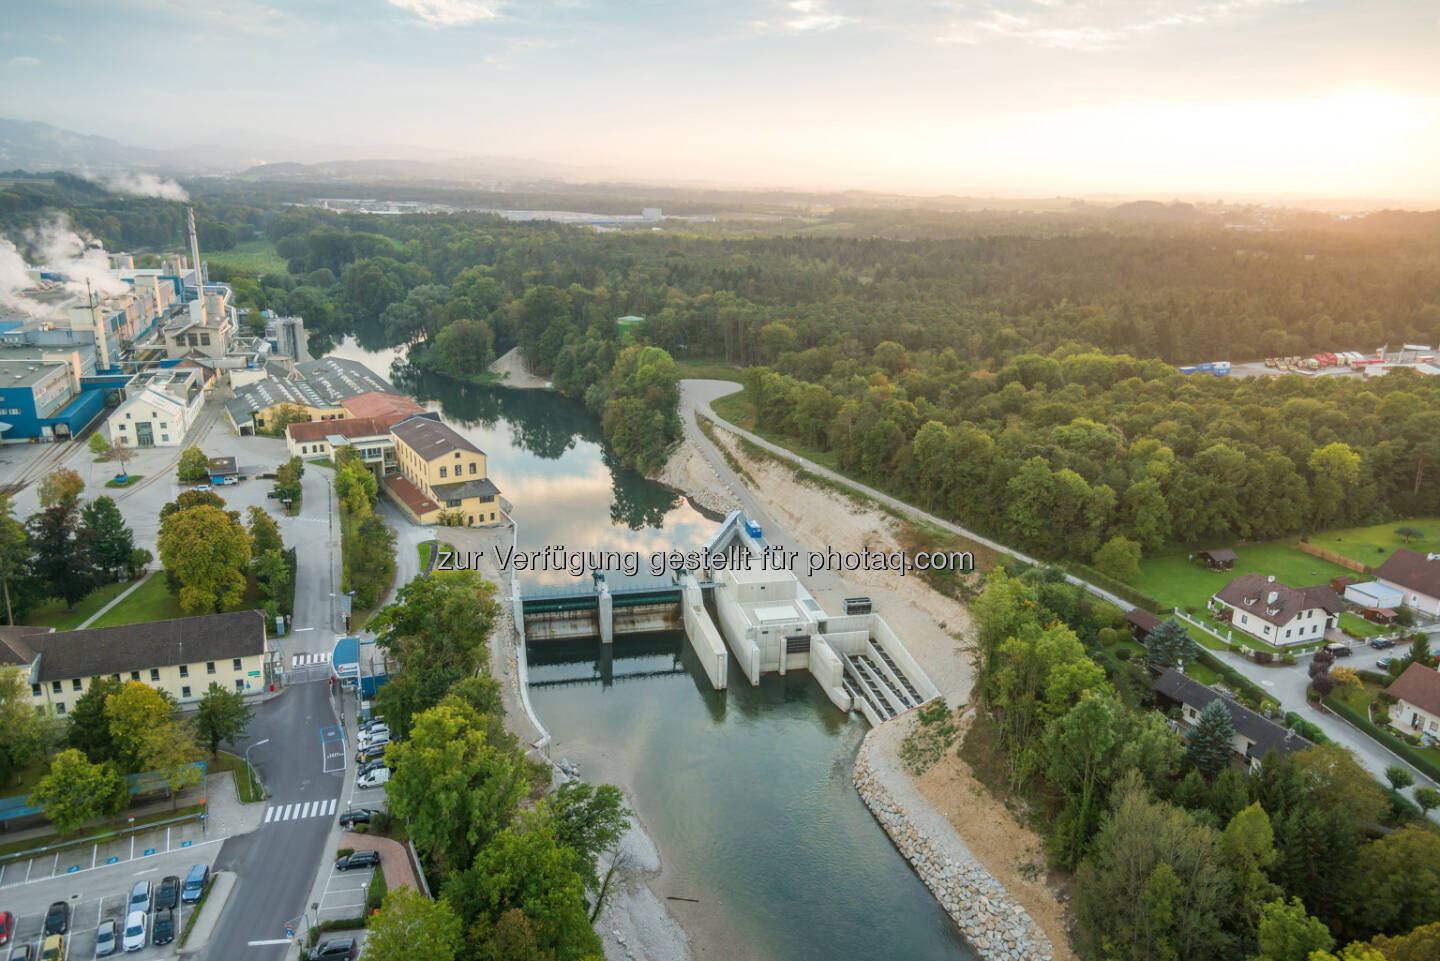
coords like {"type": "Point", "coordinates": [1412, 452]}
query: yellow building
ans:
{"type": "Point", "coordinates": [182, 657]}
{"type": "Point", "coordinates": [441, 474]}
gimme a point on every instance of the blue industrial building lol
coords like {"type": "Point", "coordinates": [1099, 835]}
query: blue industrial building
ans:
{"type": "Point", "coordinates": [38, 401]}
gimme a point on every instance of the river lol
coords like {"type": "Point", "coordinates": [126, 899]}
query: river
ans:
{"type": "Point", "coordinates": [746, 792]}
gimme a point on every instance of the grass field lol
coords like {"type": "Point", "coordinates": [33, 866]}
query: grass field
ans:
{"type": "Point", "coordinates": [248, 788]}
{"type": "Point", "coordinates": [1372, 545]}
{"type": "Point", "coordinates": [1359, 627]}
{"type": "Point", "coordinates": [53, 613]}
{"type": "Point", "coordinates": [129, 479]}
{"type": "Point", "coordinates": [255, 256]}
{"type": "Point", "coordinates": [1177, 582]}
{"type": "Point", "coordinates": [152, 601]}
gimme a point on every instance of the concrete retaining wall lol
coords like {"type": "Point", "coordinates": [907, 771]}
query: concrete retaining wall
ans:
{"type": "Point", "coordinates": [700, 632]}
{"type": "Point", "coordinates": [994, 923]}
{"type": "Point", "coordinates": [828, 670]}
{"type": "Point", "coordinates": [885, 637]}
{"type": "Point", "coordinates": [732, 621]}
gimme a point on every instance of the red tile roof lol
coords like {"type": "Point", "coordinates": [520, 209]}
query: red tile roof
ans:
{"type": "Point", "coordinates": [314, 430]}
{"type": "Point", "coordinates": [1412, 571]}
{"type": "Point", "coordinates": [386, 408]}
{"type": "Point", "coordinates": [1251, 593]}
{"type": "Point", "coordinates": [409, 494]}
{"type": "Point", "coordinates": [1418, 685]}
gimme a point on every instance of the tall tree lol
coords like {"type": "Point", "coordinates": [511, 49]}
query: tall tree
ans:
{"type": "Point", "coordinates": [264, 532]}
{"type": "Point", "coordinates": [111, 541]}
{"type": "Point", "coordinates": [223, 716]}
{"type": "Point", "coordinates": [194, 466]}
{"type": "Point", "coordinates": [589, 820]}
{"type": "Point", "coordinates": [135, 711]}
{"type": "Point", "coordinates": [1211, 740]}
{"type": "Point", "coordinates": [14, 558]}
{"type": "Point", "coordinates": [62, 562]}
{"type": "Point", "coordinates": [410, 925]}
{"type": "Point", "coordinates": [1169, 645]}
{"type": "Point", "coordinates": [76, 790]}
{"type": "Point", "coordinates": [61, 487]}
{"type": "Point", "coordinates": [205, 552]}
{"type": "Point", "coordinates": [1287, 933]}
{"type": "Point", "coordinates": [89, 727]}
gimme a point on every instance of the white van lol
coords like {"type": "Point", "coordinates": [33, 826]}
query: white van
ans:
{"type": "Point", "coordinates": [373, 778]}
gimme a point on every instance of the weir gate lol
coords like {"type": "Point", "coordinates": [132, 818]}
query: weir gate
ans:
{"type": "Point", "coordinates": [766, 620]}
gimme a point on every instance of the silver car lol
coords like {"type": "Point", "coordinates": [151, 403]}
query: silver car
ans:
{"type": "Point", "coordinates": [105, 939]}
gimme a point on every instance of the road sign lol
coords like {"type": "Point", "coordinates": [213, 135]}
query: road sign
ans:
{"type": "Point", "coordinates": [254, 673]}
{"type": "Point", "coordinates": [289, 931]}
{"type": "Point", "coordinates": [72, 869]}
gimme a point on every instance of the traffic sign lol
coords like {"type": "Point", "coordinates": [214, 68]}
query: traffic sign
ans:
{"type": "Point", "coordinates": [289, 931]}
{"type": "Point", "coordinates": [112, 860]}
{"type": "Point", "coordinates": [72, 869]}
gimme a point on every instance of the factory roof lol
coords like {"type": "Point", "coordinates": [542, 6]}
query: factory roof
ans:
{"type": "Point", "coordinates": [25, 373]}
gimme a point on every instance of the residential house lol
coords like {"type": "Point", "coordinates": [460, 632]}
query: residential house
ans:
{"type": "Point", "coordinates": [1417, 700]}
{"type": "Point", "coordinates": [367, 435]}
{"type": "Point", "coordinates": [1255, 734]}
{"type": "Point", "coordinates": [441, 472]}
{"type": "Point", "coordinates": [1416, 576]}
{"type": "Point", "coordinates": [1272, 612]}
{"type": "Point", "coordinates": [181, 657]}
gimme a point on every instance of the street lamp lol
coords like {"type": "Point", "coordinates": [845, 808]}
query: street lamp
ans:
{"type": "Point", "coordinates": [250, 771]}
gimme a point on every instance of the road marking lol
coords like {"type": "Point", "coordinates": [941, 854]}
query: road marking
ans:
{"type": "Point", "coordinates": [269, 813]}
{"type": "Point", "coordinates": [309, 809]}
{"type": "Point", "coordinates": [299, 629]}
{"type": "Point", "coordinates": [286, 815]}
{"type": "Point", "coordinates": [266, 944]}
{"type": "Point", "coordinates": [333, 802]}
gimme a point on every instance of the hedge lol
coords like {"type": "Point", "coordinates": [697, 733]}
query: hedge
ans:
{"type": "Point", "coordinates": [1374, 677]}
{"type": "Point", "coordinates": [1305, 729]}
{"type": "Point", "coordinates": [1384, 737]}
{"type": "Point", "coordinates": [1116, 587]}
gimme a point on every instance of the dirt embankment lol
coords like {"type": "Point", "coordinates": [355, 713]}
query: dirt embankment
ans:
{"type": "Point", "coordinates": [511, 366]}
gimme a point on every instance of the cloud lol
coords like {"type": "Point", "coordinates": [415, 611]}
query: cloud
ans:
{"type": "Point", "coordinates": [803, 16]}
{"type": "Point", "coordinates": [450, 13]}
{"type": "Point", "coordinates": [143, 185]}
{"type": "Point", "coordinates": [23, 62]}
{"type": "Point", "coordinates": [1099, 25]}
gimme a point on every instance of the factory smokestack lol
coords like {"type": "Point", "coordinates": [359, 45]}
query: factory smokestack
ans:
{"type": "Point", "coordinates": [195, 262]}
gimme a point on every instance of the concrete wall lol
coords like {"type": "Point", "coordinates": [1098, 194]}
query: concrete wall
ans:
{"type": "Point", "coordinates": [884, 637]}
{"type": "Point", "coordinates": [735, 626]}
{"type": "Point", "coordinates": [828, 670]}
{"type": "Point", "coordinates": [701, 633]}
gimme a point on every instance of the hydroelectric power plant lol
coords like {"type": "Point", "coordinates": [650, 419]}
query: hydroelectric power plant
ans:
{"type": "Point", "coordinates": [765, 616]}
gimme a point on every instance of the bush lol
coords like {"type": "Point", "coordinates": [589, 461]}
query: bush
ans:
{"type": "Point", "coordinates": [375, 895]}
{"type": "Point", "coordinates": [1288, 657]}
{"type": "Point", "coordinates": [344, 852]}
{"type": "Point", "coordinates": [380, 822]}
{"type": "Point", "coordinates": [1264, 657]}
{"type": "Point", "coordinates": [1123, 654]}
{"type": "Point", "coordinates": [1108, 636]}
{"type": "Point", "coordinates": [1374, 677]}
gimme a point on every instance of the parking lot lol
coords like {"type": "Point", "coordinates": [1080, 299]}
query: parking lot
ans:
{"type": "Point", "coordinates": [98, 895]}
{"type": "Point", "coordinates": [113, 853]}
{"type": "Point", "coordinates": [344, 895]}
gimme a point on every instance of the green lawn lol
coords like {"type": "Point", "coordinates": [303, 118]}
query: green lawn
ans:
{"type": "Point", "coordinates": [425, 547]}
{"type": "Point", "coordinates": [1176, 582]}
{"type": "Point", "coordinates": [1372, 545]}
{"type": "Point", "coordinates": [152, 601]}
{"type": "Point", "coordinates": [130, 479]}
{"type": "Point", "coordinates": [1359, 627]}
{"type": "Point", "coordinates": [256, 256]}
{"type": "Point", "coordinates": [53, 613]}
{"type": "Point", "coordinates": [30, 776]}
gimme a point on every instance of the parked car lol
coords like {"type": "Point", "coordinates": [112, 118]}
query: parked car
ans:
{"type": "Point", "coordinates": [374, 765]}
{"type": "Point", "coordinates": [1339, 650]}
{"type": "Point", "coordinates": [141, 896]}
{"type": "Point", "coordinates": [53, 949]}
{"type": "Point", "coordinates": [7, 926]}
{"type": "Point", "coordinates": [370, 738]}
{"type": "Point", "coordinates": [135, 925]}
{"type": "Point", "coordinates": [57, 919]}
{"type": "Point", "coordinates": [195, 882]}
{"type": "Point", "coordinates": [335, 949]}
{"type": "Point", "coordinates": [357, 816]}
{"type": "Point", "coordinates": [372, 722]}
{"type": "Point", "coordinates": [372, 730]}
{"type": "Point", "coordinates": [22, 952]}
{"type": "Point", "coordinates": [1381, 643]}
{"type": "Point", "coordinates": [1383, 663]}
{"type": "Point", "coordinates": [106, 938]}
{"type": "Point", "coordinates": [167, 895]}
{"type": "Point", "coordinates": [163, 931]}
{"type": "Point", "coordinates": [366, 754]}
{"type": "Point", "coordinates": [360, 859]}
{"type": "Point", "coordinates": [374, 778]}
{"type": "Point", "coordinates": [201, 487]}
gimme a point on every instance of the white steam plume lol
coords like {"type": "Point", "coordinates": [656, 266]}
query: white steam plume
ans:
{"type": "Point", "coordinates": [13, 279]}
{"type": "Point", "coordinates": [79, 258]}
{"type": "Point", "coordinates": [139, 184]}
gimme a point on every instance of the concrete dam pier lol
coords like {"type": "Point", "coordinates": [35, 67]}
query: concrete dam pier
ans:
{"type": "Point", "coordinates": [766, 619]}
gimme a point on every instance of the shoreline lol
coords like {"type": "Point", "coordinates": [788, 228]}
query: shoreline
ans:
{"type": "Point", "coordinates": [514, 374]}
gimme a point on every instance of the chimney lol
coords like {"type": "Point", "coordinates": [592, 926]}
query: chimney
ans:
{"type": "Point", "coordinates": [195, 263]}
{"type": "Point", "coordinates": [1274, 596]}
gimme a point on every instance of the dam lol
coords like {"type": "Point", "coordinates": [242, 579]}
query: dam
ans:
{"type": "Point", "coordinates": [735, 605]}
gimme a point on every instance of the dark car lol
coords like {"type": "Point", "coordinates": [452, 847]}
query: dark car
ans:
{"type": "Point", "coordinates": [371, 753]}
{"type": "Point", "coordinates": [162, 930]}
{"type": "Point", "coordinates": [167, 895]}
{"type": "Point", "coordinates": [360, 859]}
{"type": "Point", "coordinates": [57, 919]}
{"type": "Point", "coordinates": [357, 816]}
{"type": "Point", "coordinates": [369, 766]}
{"type": "Point", "coordinates": [1381, 643]}
{"type": "Point", "coordinates": [1339, 650]}
{"type": "Point", "coordinates": [7, 926]}
{"type": "Point", "coordinates": [335, 948]}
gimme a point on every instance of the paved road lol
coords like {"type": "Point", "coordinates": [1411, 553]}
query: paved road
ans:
{"type": "Point", "coordinates": [1287, 684]}
{"type": "Point", "coordinates": [275, 864]}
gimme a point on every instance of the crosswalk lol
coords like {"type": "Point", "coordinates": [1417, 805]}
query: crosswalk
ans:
{"type": "Point", "coordinates": [304, 809]}
{"type": "Point", "coordinates": [301, 660]}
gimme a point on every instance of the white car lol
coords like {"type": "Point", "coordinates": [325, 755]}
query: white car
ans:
{"type": "Point", "coordinates": [136, 923]}
{"type": "Point", "coordinates": [373, 778]}
{"type": "Point", "coordinates": [380, 736]}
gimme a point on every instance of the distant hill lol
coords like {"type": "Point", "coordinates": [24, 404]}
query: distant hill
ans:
{"type": "Point", "coordinates": [31, 145]}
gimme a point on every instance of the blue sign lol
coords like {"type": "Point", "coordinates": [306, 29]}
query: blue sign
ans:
{"type": "Point", "coordinates": [289, 931]}
{"type": "Point", "coordinates": [72, 869]}
{"type": "Point", "coordinates": [148, 852]}
{"type": "Point", "coordinates": [185, 844]}
{"type": "Point", "coordinates": [112, 860]}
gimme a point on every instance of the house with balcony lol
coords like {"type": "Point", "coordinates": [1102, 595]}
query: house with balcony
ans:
{"type": "Point", "coordinates": [1265, 609]}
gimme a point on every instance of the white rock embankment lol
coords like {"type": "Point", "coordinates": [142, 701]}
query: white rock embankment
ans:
{"type": "Point", "coordinates": [997, 926]}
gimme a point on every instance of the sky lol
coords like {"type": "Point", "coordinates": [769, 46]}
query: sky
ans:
{"type": "Point", "coordinates": [1186, 98]}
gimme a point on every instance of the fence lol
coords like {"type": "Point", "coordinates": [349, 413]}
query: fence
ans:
{"type": "Point", "coordinates": [1334, 558]}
